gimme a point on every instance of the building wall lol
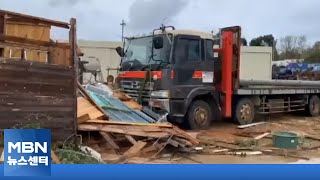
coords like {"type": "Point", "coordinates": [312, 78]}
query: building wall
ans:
{"type": "Point", "coordinates": [106, 54]}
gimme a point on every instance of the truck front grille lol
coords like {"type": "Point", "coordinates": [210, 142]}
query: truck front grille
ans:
{"type": "Point", "coordinates": [132, 88]}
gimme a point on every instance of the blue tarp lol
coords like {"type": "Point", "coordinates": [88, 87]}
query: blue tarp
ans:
{"type": "Point", "coordinates": [301, 66]}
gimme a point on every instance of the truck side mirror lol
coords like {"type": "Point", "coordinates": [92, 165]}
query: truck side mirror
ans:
{"type": "Point", "coordinates": [157, 42]}
{"type": "Point", "coordinates": [120, 51]}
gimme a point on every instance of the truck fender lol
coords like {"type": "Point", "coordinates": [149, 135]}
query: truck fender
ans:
{"type": "Point", "coordinates": [199, 92]}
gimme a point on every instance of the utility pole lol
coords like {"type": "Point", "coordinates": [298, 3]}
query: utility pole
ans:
{"type": "Point", "coordinates": [123, 24]}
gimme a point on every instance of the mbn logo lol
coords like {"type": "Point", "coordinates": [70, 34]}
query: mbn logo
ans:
{"type": "Point", "coordinates": [27, 147]}
{"type": "Point", "coordinates": [27, 152]}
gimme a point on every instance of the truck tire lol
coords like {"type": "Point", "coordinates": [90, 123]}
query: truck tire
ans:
{"type": "Point", "coordinates": [199, 115]}
{"type": "Point", "coordinates": [244, 112]}
{"type": "Point", "coordinates": [313, 107]}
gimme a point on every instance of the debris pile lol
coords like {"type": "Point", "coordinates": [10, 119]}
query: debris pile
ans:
{"type": "Point", "coordinates": [309, 75]}
{"type": "Point", "coordinates": [117, 124]}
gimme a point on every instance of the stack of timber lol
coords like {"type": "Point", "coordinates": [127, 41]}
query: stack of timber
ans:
{"type": "Point", "coordinates": [128, 137]}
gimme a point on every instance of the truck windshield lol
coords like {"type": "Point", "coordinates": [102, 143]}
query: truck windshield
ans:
{"type": "Point", "coordinates": [138, 53]}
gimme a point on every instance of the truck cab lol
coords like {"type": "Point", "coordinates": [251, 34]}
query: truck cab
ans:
{"type": "Point", "coordinates": [170, 70]}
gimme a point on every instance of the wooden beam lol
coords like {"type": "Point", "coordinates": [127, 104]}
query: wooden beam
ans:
{"type": "Point", "coordinates": [134, 151]}
{"type": "Point", "coordinates": [85, 127]}
{"type": "Point", "coordinates": [109, 140]}
{"type": "Point", "coordinates": [132, 124]}
{"type": "Point", "coordinates": [131, 139]}
{"type": "Point", "coordinates": [4, 37]}
{"type": "Point", "coordinates": [30, 47]}
{"type": "Point", "coordinates": [28, 18]}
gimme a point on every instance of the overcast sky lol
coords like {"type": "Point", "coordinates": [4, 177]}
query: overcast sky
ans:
{"type": "Point", "coordinates": [100, 19]}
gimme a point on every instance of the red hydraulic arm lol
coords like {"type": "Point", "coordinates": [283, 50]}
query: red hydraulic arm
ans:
{"type": "Point", "coordinates": [226, 52]}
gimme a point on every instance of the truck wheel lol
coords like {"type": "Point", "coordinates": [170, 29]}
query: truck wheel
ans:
{"type": "Point", "coordinates": [313, 108]}
{"type": "Point", "coordinates": [199, 115]}
{"type": "Point", "coordinates": [244, 112]}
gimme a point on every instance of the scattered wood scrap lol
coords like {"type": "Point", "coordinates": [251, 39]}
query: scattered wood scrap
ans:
{"type": "Point", "coordinates": [261, 136]}
{"type": "Point", "coordinates": [146, 130]}
{"type": "Point", "coordinates": [251, 125]}
{"type": "Point", "coordinates": [118, 135]}
{"type": "Point", "coordinates": [109, 140]}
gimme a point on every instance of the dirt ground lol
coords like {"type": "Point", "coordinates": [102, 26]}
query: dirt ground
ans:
{"type": "Point", "coordinates": [229, 135]}
{"type": "Point", "coordinates": [225, 143]}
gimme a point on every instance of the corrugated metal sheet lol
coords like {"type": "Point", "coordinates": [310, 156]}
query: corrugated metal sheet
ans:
{"type": "Point", "coordinates": [38, 94]}
{"type": "Point", "coordinates": [117, 111]}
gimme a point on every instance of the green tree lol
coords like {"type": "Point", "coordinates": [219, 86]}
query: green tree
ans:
{"type": "Point", "coordinates": [244, 42]}
{"type": "Point", "coordinates": [312, 55]}
{"type": "Point", "coordinates": [266, 40]}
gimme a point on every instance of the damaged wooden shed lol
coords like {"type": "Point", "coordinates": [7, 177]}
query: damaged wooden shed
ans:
{"type": "Point", "coordinates": [38, 76]}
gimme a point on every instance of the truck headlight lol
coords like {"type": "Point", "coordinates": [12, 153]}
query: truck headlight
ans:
{"type": "Point", "coordinates": [160, 94]}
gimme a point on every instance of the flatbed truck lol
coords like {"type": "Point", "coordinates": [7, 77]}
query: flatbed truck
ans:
{"type": "Point", "coordinates": [196, 78]}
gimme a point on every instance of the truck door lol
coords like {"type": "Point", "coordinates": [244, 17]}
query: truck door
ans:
{"type": "Point", "coordinates": [187, 59]}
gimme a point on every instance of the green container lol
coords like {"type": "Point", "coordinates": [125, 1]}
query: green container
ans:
{"type": "Point", "coordinates": [286, 140]}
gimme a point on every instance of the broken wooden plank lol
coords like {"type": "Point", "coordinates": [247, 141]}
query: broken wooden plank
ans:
{"type": "Point", "coordinates": [83, 119]}
{"type": "Point", "coordinates": [85, 107]}
{"type": "Point", "coordinates": [146, 129]}
{"type": "Point", "coordinates": [131, 139]}
{"type": "Point", "coordinates": [55, 158]}
{"type": "Point", "coordinates": [261, 136]}
{"type": "Point", "coordinates": [185, 135]}
{"type": "Point", "coordinates": [251, 125]}
{"type": "Point", "coordinates": [135, 150]}
{"type": "Point", "coordinates": [150, 149]}
{"type": "Point", "coordinates": [109, 140]}
{"type": "Point", "coordinates": [183, 141]}
{"type": "Point", "coordinates": [86, 127]}
{"type": "Point", "coordinates": [127, 123]}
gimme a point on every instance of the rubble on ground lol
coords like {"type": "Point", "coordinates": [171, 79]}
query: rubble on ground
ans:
{"type": "Point", "coordinates": [113, 125]}
{"type": "Point", "coordinates": [117, 122]}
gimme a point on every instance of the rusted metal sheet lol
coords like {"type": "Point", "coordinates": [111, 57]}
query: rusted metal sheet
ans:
{"type": "Point", "coordinates": [38, 94]}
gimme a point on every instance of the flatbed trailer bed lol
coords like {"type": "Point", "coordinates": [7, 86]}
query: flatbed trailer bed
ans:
{"type": "Point", "coordinates": [276, 90]}
{"type": "Point", "coordinates": [278, 87]}
{"type": "Point", "coordinates": [278, 96]}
